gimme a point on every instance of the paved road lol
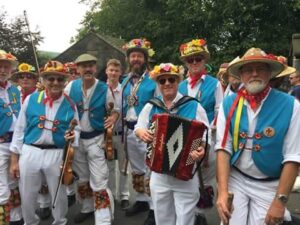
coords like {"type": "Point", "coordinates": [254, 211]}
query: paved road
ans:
{"type": "Point", "coordinates": [121, 219]}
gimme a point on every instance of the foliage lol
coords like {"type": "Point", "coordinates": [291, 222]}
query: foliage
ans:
{"type": "Point", "coordinates": [229, 26]}
{"type": "Point", "coordinates": [14, 38]}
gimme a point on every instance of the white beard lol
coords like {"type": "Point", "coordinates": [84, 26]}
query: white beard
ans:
{"type": "Point", "coordinates": [255, 87]}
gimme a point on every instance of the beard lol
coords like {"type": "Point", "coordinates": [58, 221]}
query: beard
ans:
{"type": "Point", "coordinates": [256, 86]}
{"type": "Point", "coordinates": [138, 69]}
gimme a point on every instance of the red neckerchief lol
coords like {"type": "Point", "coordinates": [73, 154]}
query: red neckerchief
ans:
{"type": "Point", "coordinates": [25, 94]}
{"type": "Point", "coordinates": [196, 77]}
{"type": "Point", "coordinates": [50, 100]}
{"type": "Point", "coordinates": [256, 99]}
{"type": "Point", "coordinates": [3, 85]}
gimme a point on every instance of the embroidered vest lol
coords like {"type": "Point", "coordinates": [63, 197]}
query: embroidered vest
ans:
{"type": "Point", "coordinates": [206, 94]}
{"type": "Point", "coordinates": [272, 126]}
{"type": "Point", "coordinates": [144, 93]}
{"type": "Point", "coordinates": [7, 110]}
{"type": "Point", "coordinates": [35, 116]}
{"type": "Point", "coordinates": [97, 106]}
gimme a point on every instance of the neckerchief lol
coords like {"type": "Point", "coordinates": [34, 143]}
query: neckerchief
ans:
{"type": "Point", "coordinates": [3, 85]}
{"type": "Point", "coordinates": [50, 99]}
{"type": "Point", "coordinates": [25, 94]}
{"type": "Point", "coordinates": [254, 99]}
{"type": "Point", "coordinates": [196, 77]}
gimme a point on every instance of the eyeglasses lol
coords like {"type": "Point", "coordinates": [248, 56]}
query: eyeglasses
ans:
{"type": "Point", "coordinates": [258, 70]}
{"type": "Point", "coordinates": [52, 79]}
{"type": "Point", "coordinates": [194, 59]}
{"type": "Point", "coordinates": [28, 76]}
{"type": "Point", "coordinates": [171, 80]}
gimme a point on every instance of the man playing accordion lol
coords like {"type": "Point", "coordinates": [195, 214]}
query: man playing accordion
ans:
{"type": "Point", "coordinates": [174, 195]}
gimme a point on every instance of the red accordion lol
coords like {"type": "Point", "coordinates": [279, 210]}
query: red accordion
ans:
{"type": "Point", "coordinates": [174, 139]}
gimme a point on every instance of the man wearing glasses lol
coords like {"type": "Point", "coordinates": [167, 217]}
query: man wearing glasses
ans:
{"type": "Point", "coordinates": [295, 82]}
{"type": "Point", "coordinates": [208, 91]}
{"type": "Point", "coordinates": [40, 136]}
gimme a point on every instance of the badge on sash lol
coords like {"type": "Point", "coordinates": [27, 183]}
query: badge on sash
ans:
{"type": "Point", "coordinates": [269, 131]}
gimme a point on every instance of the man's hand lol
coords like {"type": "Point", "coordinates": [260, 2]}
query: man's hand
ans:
{"type": "Point", "coordinates": [14, 170]}
{"type": "Point", "coordinates": [144, 134]}
{"type": "Point", "coordinates": [198, 154]}
{"type": "Point", "coordinates": [222, 207]}
{"type": "Point", "coordinates": [111, 120]}
{"type": "Point", "coordinates": [70, 136]}
{"type": "Point", "coordinates": [275, 213]}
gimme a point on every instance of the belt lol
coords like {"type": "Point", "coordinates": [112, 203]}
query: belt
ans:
{"type": "Point", "coordinates": [45, 146]}
{"type": "Point", "coordinates": [254, 178]}
{"type": "Point", "coordinates": [130, 124]}
{"type": "Point", "coordinates": [118, 133]}
{"type": "Point", "coordinates": [89, 135]}
{"type": "Point", "coordinates": [6, 138]}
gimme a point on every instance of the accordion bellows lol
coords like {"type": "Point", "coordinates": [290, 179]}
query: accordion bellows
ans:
{"type": "Point", "coordinates": [174, 139]}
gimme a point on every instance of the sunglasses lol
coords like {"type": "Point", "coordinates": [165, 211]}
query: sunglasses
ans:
{"type": "Point", "coordinates": [171, 80]}
{"type": "Point", "coordinates": [28, 76]}
{"type": "Point", "coordinates": [194, 59]}
{"type": "Point", "coordinates": [58, 79]}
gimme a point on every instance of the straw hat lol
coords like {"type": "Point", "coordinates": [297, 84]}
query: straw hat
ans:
{"type": "Point", "coordinates": [142, 45]}
{"type": "Point", "coordinates": [8, 57]}
{"type": "Point", "coordinates": [24, 68]}
{"type": "Point", "coordinates": [194, 47]}
{"type": "Point", "coordinates": [256, 55]}
{"type": "Point", "coordinates": [288, 70]}
{"type": "Point", "coordinates": [166, 69]}
{"type": "Point", "coordinates": [54, 68]}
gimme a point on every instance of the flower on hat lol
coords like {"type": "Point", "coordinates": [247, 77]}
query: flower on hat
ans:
{"type": "Point", "coordinates": [24, 67]}
{"type": "Point", "coordinates": [55, 66]}
{"type": "Point", "coordinates": [140, 43]}
{"type": "Point", "coordinates": [164, 68]}
{"type": "Point", "coordinates": [8, 56]}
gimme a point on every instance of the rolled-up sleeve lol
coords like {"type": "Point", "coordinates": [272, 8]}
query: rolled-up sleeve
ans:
{"type": "Point", "coordinates": [291, 145]}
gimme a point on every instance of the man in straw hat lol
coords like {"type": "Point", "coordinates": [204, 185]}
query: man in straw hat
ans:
{"type": "Point", "coordinates": [138, 88]}
{"type": "Point", "coordinates": [204, 87]}
{"type": "Point", "coordinates": [40, 134]}
{"type": "Point", "coordinates": [257, 144]}
{"type": "Point", "coordinates": [9, 111]}
{"type": "Point", "coordinates": [92, 98]}
{"type": "Point", "coordinates": [174, 199]}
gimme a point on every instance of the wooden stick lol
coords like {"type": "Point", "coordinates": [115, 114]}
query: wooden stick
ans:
{"type": "Point", "coordinates": [229, 203]}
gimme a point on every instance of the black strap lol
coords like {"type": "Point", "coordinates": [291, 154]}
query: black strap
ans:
{"type": "Point", "coordinates": [254, 178]}
{"type": "Point", "coordinates": [159, 103]}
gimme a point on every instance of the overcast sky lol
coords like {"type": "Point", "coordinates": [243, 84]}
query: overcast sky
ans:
{"type": "Point", "coordinates": [57, 20]}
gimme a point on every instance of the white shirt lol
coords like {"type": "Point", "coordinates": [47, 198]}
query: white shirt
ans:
{"type": "Point", "coordinates": [46, 136]}
{"type": "Point", "coordinates": [194, 92]}
{"type": "Point", "coordinates": [245, 163]}
{"type": "Point", "coordinates": [5, 97]}
{"type": "Point", "coordinates": [143, 120]}
{"type": "Point", "coordinates": [85, 121]}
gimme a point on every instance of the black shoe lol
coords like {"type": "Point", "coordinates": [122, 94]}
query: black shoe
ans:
{"type": "Point", "coordinates": [150, 219]}
{"type": "Point", "coordinates": [80, 217]}
{"type": "Point", "coordinates": [200, 220]}
{"type": "Point", "coordinates": [138, 207]}
{"type": "Point", "coordinates": [43, 213]}
{"type": "Point", "coordinates": [124, 204]}
{"type": "Point", "coordinates": [71, 200]}
{"type": "Point", "coordinates": [19, 222]}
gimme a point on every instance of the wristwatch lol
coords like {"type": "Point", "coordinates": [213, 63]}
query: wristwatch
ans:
{"type": "Point", "coordinates": [282, 198]}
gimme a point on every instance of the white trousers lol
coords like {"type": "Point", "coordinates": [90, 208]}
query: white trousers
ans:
{"type": "Point", "coordinates": [252, 199]}
{"type": "Point", "coordinates": [6, 183]}
{"type": "Point", "coordinates": [174, 200]}
{"type": "Point", "coordinates": [118, 179]}
{"type": "Point", "coordinates": [90, 165]}
{"type": "Point", "coordinates": [35, 163]}
{"type": "Point", "coordinates": [137, 155]}
{"type": "Point", "coordinates": [44, 200]}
